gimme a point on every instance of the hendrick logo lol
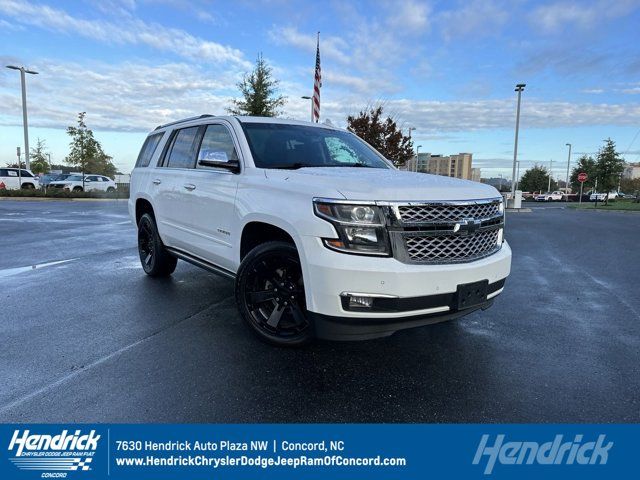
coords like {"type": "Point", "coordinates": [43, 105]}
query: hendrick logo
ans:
{"type": "Point", "coordinates": [555, 452]}
{"type": "Point", "coordinates": [53, 453]}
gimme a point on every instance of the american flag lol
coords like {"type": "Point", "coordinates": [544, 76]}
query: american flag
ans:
{"type": "Point", "coordinates": [316, 86]}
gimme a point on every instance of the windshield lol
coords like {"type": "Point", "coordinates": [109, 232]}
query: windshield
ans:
{"type": "Point", "coordinates": [298, 146]}
{"type": "Point", "coordinates": [74, 178]}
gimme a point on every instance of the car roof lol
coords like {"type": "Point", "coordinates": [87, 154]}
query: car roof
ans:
{"type": "Point", "coordinates": [202, 119]}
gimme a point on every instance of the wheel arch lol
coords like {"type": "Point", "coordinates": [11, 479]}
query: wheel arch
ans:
{"type": "Point", "coordinates": [143, 206]}
{"type": "Point", "coordinates": [257, 232]}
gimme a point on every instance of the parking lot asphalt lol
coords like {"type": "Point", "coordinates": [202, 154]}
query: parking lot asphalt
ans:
{"type": "Point", "coordinates": [92, 339]}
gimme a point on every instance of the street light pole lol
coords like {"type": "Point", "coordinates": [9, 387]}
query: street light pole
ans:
{"type": "Point", "coordinates": [25, 124]}
{"type": "Point", "coordinates": [566, 185]}
{"type": "Point", "coordinates": [518, 174]}
{"type": "Point", "coordinates": [519, 89]}
{"type": "Point", "coordinates": [311, 101]}
{"type": "Point", "coordinates": [417, 153]}
{"type": "Point", "coordinates": [550, 170]}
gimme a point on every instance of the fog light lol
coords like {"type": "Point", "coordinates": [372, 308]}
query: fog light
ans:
{"type": "Point", "coordinates": [360, 302]}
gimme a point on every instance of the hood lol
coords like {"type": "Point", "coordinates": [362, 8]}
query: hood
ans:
{"type": "Point", "coordinates": [355, 183]}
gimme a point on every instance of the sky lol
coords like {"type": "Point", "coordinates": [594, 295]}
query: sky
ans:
{"type": "Point", "coordinates": [446, 68]}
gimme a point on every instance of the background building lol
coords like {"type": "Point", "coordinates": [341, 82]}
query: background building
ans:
{"type": "Point", "coordinates": [458, 166]}
{"type": "Point", "coordinates": [631, 171]}
{"type": "Point", "coordinates": [476, 174]}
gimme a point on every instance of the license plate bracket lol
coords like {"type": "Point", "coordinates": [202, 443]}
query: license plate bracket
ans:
{"type": "Point", "coordinates": [471, 295]}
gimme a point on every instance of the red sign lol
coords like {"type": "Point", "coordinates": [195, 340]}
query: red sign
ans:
{"type": "Point", "coordinates": [582, 177]}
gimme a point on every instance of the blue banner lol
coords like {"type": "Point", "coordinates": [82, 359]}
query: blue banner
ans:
{"type": "Point", "coordinates": [85, 451]}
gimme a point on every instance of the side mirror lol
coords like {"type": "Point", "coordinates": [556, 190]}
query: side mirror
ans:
{"type": "Point", "coordinates": [232, 165]}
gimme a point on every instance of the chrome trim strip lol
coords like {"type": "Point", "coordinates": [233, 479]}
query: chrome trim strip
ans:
{"type": "Point", "coordinates": [493, 294]}
{"type": "Point", "coordinates": [370, 295]}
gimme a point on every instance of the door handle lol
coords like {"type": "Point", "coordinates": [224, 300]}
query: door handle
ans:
{"type": "Point", "coordinates": [189, 186]}
{"type": "Point", "coordinates": [157, 181]}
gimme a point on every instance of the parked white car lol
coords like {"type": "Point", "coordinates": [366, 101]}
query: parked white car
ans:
{"type": "Point", "coordinates": [556, 196]}
{"type": "Point", "coordinates": [323, 236]}
{"type": "Point", "coordinates": [92, 183]}
{"type": "Point", "coordinates": [601, 197]}
{"type": "Point", "coordinates": [11, 178]}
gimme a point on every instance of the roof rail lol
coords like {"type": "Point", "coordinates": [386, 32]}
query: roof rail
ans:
{"type": "Point", "coordinates": [184, 120]}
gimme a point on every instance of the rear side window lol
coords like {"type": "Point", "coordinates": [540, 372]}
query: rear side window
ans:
{"type": "Point", "coordinates": [182, 153]}
{"type": "Point", "coordinates": [148, 149]}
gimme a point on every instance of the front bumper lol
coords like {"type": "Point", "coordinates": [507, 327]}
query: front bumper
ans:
{"type": "Point", "coordinates": [329, 274]}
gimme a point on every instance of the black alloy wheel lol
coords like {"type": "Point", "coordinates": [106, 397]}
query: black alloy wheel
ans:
{"type": "Point", "coordinates": [270, 294]}
{"type": "Point", "coordinates": [155, 260]}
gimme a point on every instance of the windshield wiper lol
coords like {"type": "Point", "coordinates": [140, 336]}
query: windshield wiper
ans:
{"type": "Point", "coordinates": [293, 166]}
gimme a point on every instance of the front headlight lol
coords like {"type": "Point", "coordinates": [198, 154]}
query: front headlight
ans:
{"type": "Point", "coordinates": [360, 227]}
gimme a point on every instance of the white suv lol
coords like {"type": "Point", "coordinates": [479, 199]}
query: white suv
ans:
{"type": "Point", "coordinates": [11, 178]}
{"type": "Point", "coordinates": [323, 236]}
{"type": "Point", "coordinates": [92, 183]}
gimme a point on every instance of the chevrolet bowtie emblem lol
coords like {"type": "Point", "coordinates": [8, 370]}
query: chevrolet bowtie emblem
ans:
{"type": "Point", "coordinates": [467, 226]}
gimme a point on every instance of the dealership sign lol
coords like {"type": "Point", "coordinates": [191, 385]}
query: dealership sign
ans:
{"type": "Point", "coordinates": [317, 451]}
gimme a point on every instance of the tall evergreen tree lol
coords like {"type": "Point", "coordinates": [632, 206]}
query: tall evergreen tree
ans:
{"type": "Point", "coordinates": [609, 167]}
{"type": "Point", "coordinates": [259, 93]}
{"type": "Point", "coordinates": [86, 152]}
{"type": "Point", "coordinates": [38, 157]}
{"type": "Point", "coordinates": [382, 134]}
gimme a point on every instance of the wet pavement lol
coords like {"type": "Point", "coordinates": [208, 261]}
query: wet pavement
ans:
{"type": "Point", "coordinates": [87, 337]}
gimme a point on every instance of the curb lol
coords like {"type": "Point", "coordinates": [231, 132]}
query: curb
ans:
{"type": "Point", "coordinates": [518, 210]}
{"type": "Point", "coordinates": [602, 210]}
{"type": "Point", "coordinates": [51, 199]}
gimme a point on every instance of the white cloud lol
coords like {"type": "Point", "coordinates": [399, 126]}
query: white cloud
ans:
{"type": "Point", "coordinates": [594, 91]}
{"type": "Point", "coordinates": [555, 16]}
{"type": "Point", "coordinates": [475, 18]}
{"type": "Point", "coordinates": [134, 96]}
{"type": "Point", "coordinates": [409, 14]}
{"type": "Point", "coordinates": [127, 31]}
{"type": "Point", "coordinates": [332, 47]}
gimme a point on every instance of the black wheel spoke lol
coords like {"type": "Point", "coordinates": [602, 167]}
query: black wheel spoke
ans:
{"type": "Point", "coordinates": [276, 315]}
{"type": "Point", "coordinates": [261, 296]}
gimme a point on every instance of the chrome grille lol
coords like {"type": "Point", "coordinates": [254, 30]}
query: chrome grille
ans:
{"type": "Point", "coordinates": [445, 212]}
{"type": "Point", "coordinates": [451, 248]}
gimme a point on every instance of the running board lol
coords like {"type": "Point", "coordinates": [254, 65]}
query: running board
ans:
{"type": "Point", "coordinates": [198, 262]}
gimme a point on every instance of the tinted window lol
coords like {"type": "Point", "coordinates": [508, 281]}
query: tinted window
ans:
{"type": "Point", "coordinates": [148, 149]}
{"type": "Point", "coordinates": [3, 172]}
{"type": "Point", "coordinates": [24, 173]}
{"type": "Point", "coordinates": [182, 153]}
{"type": "Point", "coordinates": [217, 146]}
{"type": "Point", "coordinates": [295, 146]}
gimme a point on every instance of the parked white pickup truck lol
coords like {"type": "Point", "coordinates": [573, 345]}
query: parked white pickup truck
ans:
{"type": "Point", "coordinates": [323, 236]}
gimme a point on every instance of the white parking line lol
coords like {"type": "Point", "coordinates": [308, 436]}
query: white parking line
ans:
{"type": "Point", "coordinates": [7, 272]}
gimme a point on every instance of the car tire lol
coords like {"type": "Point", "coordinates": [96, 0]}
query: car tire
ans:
{"type": "Point", "coordinates": [155, 259]}
{"type": "Point", "coordinates": [111, 189]}
{"type": "Point", "coordinates": [270, 296]}
{"type": "Point", "coordinates": [77, 189]}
